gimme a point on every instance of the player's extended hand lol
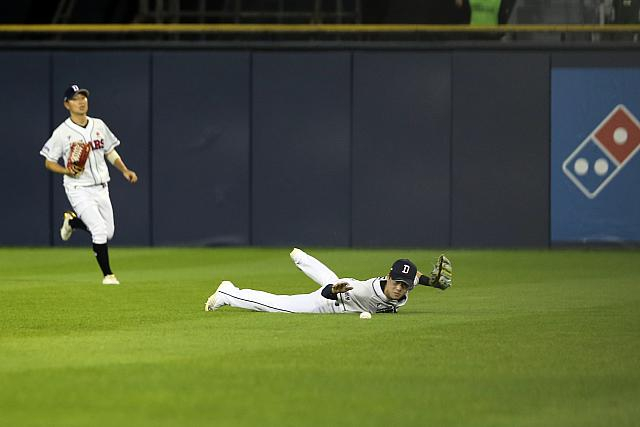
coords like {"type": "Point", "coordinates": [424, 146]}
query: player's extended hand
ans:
{"type": "Point", "coordinates": [442, 274]}
{"type": "Point", "coordinates": [130, 176]}
{"type": "Point", "coordinates": [340, 287]}
{"type": "Point", "coordinates": [74, 170]}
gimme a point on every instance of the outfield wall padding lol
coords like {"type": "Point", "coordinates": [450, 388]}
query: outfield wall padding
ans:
{"type": "Point", "coordinates": [362, 148]}
{"type": "Point", "coordinates": [200, 148]}
{"type": "Point", "coordinates": [401, 159]}
{"type": "Point", "coordinates": [500, 147]}
{"type": "Point", "coordinates": [301, 151]}
{"type": "Point", "coordinates": [25, 122]}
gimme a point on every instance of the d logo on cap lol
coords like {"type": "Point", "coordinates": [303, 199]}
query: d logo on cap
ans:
{"type": "Point", "coordinates": [403, 270]}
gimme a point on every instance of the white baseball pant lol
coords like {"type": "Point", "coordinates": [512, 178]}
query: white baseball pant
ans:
{"type": "Point", "coordinates": [250, 299]}
{"type": "Point", "coordinates": [313, 302]}
{"type": "Point", "coordinates": [314, 269]}
{"type": "Point", "coordinates": [93, 207]}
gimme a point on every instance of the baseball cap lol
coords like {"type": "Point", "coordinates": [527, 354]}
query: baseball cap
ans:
{"type": "Point", "coordinates": [72, 90]}
{"type": "Point", "coordinates": [404, 271]}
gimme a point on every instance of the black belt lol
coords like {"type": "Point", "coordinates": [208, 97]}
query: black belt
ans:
{"type": "Point", "coordinates": [103, 185]}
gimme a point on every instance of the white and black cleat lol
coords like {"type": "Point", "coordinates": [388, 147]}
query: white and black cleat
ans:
{"type": "Point", "coordinates": [66, 230]}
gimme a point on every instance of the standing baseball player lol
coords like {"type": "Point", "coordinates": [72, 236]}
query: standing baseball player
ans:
{"type": "Point", "coordinates": [377, 295]}
{"type": "Point", "coordinates": [83, 143]}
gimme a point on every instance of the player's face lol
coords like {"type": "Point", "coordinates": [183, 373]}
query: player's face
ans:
{"type": "Point", "coordinates": [395, 290]}
{"type": "Point", "coordinates": [79, 104]}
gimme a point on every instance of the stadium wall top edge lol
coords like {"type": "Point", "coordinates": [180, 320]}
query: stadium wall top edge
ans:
{"type": "Point", "coordinates": [351, 45]}
{"type": "Point", "coordinates": [316, 28]}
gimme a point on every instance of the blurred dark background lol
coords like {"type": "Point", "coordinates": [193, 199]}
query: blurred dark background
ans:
{"type": "Point", "coordinates": [317, 11]}
{"type": "Point", "coordinates": [300, 11]}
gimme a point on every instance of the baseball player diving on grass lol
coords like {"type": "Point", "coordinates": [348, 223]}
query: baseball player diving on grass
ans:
{"type": "Point", "coordinates": [377, 295]}
{"type": "Point", "coordinates": [83, 143]}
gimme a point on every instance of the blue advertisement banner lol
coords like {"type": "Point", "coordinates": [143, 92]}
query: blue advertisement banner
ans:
{"type": "Point", "coordinates": [595, 166]}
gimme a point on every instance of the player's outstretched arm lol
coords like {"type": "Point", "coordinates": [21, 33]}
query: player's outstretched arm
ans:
{"type": "Point", "coordinates": [340, 288]}
{"type": "Point", "coordinates": [331, 291]}
{"type": "Point", "coordinates": [115, 159]}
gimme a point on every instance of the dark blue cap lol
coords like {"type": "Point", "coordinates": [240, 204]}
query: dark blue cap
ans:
{"type": "Point", "coordinates": [404, 271]}
{"type": "Point", "coordinates": [72, 90]}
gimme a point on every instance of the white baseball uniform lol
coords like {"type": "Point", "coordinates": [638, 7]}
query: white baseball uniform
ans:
{"type": "Point", "coordinates": [88, 192]}
{"type": "Point", "coordinates": [366, 295]}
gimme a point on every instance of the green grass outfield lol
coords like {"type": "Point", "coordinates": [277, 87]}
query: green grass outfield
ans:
{"type": "Point", "coordinates": [523, 338]}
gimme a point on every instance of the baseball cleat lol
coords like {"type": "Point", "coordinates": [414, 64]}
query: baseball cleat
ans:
{"type": "Point", "coordinates": [66, 230]}
{"type": "Point", "coordinates": [110, 279]}
{"type": "Point", "coordinates": [210, 305]}
{"type": "Point", "coordinates": [216, 300]}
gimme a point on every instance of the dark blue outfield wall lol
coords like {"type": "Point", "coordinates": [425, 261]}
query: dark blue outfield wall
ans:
{"type": "Point", "coordinates": [326, 148]}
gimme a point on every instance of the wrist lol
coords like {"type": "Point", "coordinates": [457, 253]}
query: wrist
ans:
{"type": "Point", "coordinates": [424, 280]}
{"type": "Point", "coordinates": [327, 292]}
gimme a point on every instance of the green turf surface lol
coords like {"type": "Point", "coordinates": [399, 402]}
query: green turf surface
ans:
{"type": "Point", "coordinates": [523, 338]}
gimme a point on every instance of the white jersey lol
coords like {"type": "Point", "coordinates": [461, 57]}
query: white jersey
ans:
{"type": "Point", "coordinates": [97, 134]}
{"type": "Point", "coordinates": [366, 296]}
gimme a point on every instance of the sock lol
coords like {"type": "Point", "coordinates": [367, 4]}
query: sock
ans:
{"type": "Point", "coordinates": [101, 251]}
{"type": "Point", "coordinates": [78, 223]}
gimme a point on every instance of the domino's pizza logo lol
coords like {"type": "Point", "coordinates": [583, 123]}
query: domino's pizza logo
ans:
{"type": "Point", "coordinates": [604, 153]}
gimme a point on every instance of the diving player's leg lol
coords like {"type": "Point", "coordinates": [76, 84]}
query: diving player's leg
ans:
{"type": "Point", "coordinates": [249, 299]}
{"type": "Point", "coordinates": [317, 271]}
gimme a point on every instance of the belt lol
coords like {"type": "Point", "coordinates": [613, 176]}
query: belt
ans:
{"type": "Point", "coordinates": [103, 185]}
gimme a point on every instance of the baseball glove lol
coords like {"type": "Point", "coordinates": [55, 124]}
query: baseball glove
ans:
{"type": "Point", "coordinates": [78, 155]}
{"type": "Point", "coordinates": [442, 274]}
